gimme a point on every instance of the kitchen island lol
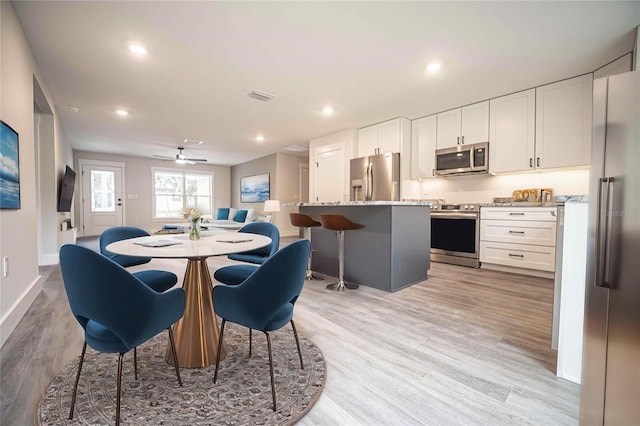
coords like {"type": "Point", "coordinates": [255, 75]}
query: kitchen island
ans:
{"type": "Point", "coordinates": [390, 253]}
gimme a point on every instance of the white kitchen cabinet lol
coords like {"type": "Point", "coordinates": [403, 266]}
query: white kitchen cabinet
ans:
{"type": "Point", "coordinates": [563, 123]}
{"type": "Point", "coordinates": [519, 239]}
{"type": "Point", "coordinates": [512, 132]}
{"type": "Point", "coordinates": [618, 66]}
{"type": "Point", "coordinates": [423, 147]}
{"type": "Point", "coordinates": [466, 125]}
{"type": "Point", "coordinates": [383, 137]}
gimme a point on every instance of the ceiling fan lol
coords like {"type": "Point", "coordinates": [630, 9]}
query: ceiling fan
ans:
{"type": "Point", "coordinates": [180, 158]}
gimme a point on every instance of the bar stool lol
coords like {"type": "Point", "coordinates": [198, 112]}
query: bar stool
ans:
{"type": "Point", "coordinates": [340, 224]}
{"type": "Point", "coordinates": [304, 221]}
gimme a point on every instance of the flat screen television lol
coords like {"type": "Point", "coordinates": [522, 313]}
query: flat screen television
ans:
{"type": "Point", "coordinates": [66, 190]}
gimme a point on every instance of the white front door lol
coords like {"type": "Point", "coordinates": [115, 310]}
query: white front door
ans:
{"type": "Point", "coordinates": [329, 175]}
{"type": "Point", "coordinates": [102, 197]}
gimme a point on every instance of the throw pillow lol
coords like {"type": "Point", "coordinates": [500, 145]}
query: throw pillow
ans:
{"type": "Point", "coordinates": [240, 216]}
{"type": "Point", "coordinates": [223, 214]}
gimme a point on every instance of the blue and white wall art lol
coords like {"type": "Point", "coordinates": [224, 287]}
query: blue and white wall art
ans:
{"type": "Point", "coordinates": [254, 189]}
{"type": "Point", "coordinates": [9, 168]}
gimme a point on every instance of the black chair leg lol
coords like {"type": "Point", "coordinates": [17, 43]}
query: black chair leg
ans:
{"type": "Point", "coordinates": [273, 388]}
{"type": "Point", "coordinates": [215, 375]}
{"type": "Point", "coordinates": [250, 341]}
{"type": "Point", "coordinates": [295, 333]}
{"type": "Point", "coordinates": [75, 387]}
{"type": "Point", "coordinates": [135, 362]}
{"type": "Point", "coordinates": [175, 355]}
{"type": "Point", "coordinates": [119, 388]}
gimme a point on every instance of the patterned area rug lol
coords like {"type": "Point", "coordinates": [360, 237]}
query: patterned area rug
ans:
{"type": "Point", "coordinates": [241, 396]}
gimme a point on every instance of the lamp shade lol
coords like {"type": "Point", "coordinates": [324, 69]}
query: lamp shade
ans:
{"type": "Point", "coordinates": [271, 206]}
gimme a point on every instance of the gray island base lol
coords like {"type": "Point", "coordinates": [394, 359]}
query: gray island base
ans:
{"type": "Point", "coordinates": [390, 253]}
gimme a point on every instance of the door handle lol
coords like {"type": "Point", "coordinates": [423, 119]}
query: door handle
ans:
{"type": "Point", "coordinates": [603, 233]}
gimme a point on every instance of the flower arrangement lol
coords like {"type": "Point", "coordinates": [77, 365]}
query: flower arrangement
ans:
{"type": "Point", "coordinates": [193, 214]}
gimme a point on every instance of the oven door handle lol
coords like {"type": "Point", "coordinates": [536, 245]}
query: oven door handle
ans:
{"type": "Point", "coordinates": [455, 215]}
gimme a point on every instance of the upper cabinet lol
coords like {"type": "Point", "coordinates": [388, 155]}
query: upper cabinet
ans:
{"type": "Point", "coordinates": [512, 132]}
{"type": "Point", "coordinates": [383, 137]}
{"type": "Point", "coordinates": [563, 123]}
{"type": "Point", "coordinates": [423, 147]}
{"type": "Point", "coordinates": [466, 125]}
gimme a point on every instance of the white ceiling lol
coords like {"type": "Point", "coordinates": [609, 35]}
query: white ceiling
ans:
{"type": "Point", "coordinates": [366, 59]}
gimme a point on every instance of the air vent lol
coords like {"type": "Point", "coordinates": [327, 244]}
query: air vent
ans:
{"type": "Point", "coordinates": [297, 148]}
{"type": "Point", "coordinates": [195, 141]}
{"type": "Point", "coordinates": [261, 96]}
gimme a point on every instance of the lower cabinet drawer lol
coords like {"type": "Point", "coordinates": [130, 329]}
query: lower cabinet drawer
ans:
{"type": "Point", "coordinates": [519, 232]}
{"type": "Point", "coordinates": [518, 255]}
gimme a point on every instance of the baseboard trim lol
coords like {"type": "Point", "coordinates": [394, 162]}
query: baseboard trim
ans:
{"type": "Point", "coordinates": [514, 270]}
{"type": "Point", "coordinates": [11, 319]}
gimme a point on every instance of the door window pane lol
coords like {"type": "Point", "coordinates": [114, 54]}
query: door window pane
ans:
{"type": "Point", "coordinates": [103, 195]}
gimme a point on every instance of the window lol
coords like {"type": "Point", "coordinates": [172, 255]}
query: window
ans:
{"type": "Point", "coordinates": [175, 190]}
{"type": "Point", "coordinates": [103, 194]}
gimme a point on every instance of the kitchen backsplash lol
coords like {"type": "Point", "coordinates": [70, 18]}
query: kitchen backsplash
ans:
{"type": "Point", "coordinates": [483, 188]}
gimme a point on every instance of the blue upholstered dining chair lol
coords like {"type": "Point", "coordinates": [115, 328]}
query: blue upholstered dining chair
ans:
{"type": "Point", "coordinates": [265, 300]}
{"type": "Point", "coordinates": [117, 311]}
{"type": "Point", "coordinates": [154, 278]}
{"type": "Point", "coordinates": [235, 274]}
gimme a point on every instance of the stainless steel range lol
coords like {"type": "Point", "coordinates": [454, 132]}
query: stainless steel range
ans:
{"type": "Point", "coordinates": [455, 234]}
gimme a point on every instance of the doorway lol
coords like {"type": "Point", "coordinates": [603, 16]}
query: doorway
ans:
{"type": "Point", "coordinates": [102, 189]}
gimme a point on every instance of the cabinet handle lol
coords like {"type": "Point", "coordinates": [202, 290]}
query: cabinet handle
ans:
{"type": "Point", "coordinates": [433, 172]}
{"type": "Point", "coordinates": [516, 232]}
{"type": "Point", "coordinates": [538, 162]}
{"type": "Point", "coordinates": [516, 255]}
{"type": "Point", "coordinates": [603, 232]}
{"type": "Point", "coordinates": [458, 142]}
{"type": "Point", "coordinates": [531, 162]}
{"type": "Point", "coordinates": [516, 214]}
{"type": "Point", "coordinates": [462, 140]}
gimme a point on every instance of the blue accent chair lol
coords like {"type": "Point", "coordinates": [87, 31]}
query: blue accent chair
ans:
{"type": "Point", "coordinates": [260, 255]}
{"type": "Point", "coordinates": [117, 310]}
{"type": "Point", "coordinates": [235, 274]}
{"type": "Point", "coordinates": [265, 300]}
{"type": "Point", "coordinates": [156, 279]}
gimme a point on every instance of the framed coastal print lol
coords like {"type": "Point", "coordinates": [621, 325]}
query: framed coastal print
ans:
{"type": "Point", "coordinates": [9, 168]}
{"type": "Point", "coordinates": [254, 189]}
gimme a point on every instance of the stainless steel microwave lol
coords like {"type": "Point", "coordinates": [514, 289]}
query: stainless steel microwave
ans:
{"type": "Point", "coordinates": [463, 159]}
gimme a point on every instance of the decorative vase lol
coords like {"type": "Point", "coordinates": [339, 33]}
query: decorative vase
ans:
{"type": "Point", "coordinates": [194, 234]}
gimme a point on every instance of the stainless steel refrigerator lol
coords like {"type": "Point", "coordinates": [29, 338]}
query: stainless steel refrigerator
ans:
{"type": "Point", "coordinates": [610, 392]}
{"type": "Point", "coordinates": [375, 178]}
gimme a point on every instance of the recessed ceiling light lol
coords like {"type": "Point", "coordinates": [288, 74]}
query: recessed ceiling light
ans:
{"type": "Point", "coordinates": [122, 112]}
{"type": "Point", "coordinates": [138, 49]}
{"type": "Point", "coordinates": [434, 67]}
{"type": "Point", "coordinates": [327, 110]}
{"type": "Point", "coordinates": [260, 138]}
{"type": "Point", "coordinates": [74, 109]}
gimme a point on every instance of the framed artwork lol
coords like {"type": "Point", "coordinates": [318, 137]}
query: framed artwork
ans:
{"type": "Point", "coordinates": [254, 189]}
{"type": "Point", "coordinates": [9, 168]}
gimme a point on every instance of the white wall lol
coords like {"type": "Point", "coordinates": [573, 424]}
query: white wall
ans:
{"type": "Point", "coordinates": [483, 188]}
{"type": "Point", "coordinates": [18, 228]}
{"type": "Point", "coordinates": [138, 182]}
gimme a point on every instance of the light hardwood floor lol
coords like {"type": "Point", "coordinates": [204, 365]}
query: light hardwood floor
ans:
{"type": "Point", "coordinates": [464, 347]}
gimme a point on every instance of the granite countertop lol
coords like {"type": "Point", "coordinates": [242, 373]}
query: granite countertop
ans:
{"type": "Point", "coordinates": [365, 203]}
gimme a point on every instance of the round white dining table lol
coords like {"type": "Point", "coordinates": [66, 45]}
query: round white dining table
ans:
{"type": "Point", "coordinates": [196, 334]}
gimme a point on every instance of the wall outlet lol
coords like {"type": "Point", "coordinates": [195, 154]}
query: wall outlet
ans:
{"type": "Point", "coordinates": [5, 266]}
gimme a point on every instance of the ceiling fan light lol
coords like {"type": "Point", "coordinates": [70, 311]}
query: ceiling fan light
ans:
{"type": "Point", "coordinates": [180, 161]}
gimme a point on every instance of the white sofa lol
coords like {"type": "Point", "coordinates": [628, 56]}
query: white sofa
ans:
{"type": "Point", "coordinates": [231, 221]}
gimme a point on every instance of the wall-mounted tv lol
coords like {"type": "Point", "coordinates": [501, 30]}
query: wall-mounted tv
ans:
{"type": "Point", "coordinates": [66, 190]}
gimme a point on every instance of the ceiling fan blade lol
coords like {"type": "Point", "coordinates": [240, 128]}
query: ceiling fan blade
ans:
{"type": "Point", "coordinates": [196, 160]}
{"type": "Point", "coordinates": [164, 157]}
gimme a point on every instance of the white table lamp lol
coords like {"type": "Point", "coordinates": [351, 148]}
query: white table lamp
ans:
{"type": "Point", "coordinates": [271, 206]}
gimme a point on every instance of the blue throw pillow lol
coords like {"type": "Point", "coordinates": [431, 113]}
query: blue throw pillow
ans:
{"type": "Point", "coordinates": [223, 214]}
{"type": "Point", "coordinates": [241, 216]}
